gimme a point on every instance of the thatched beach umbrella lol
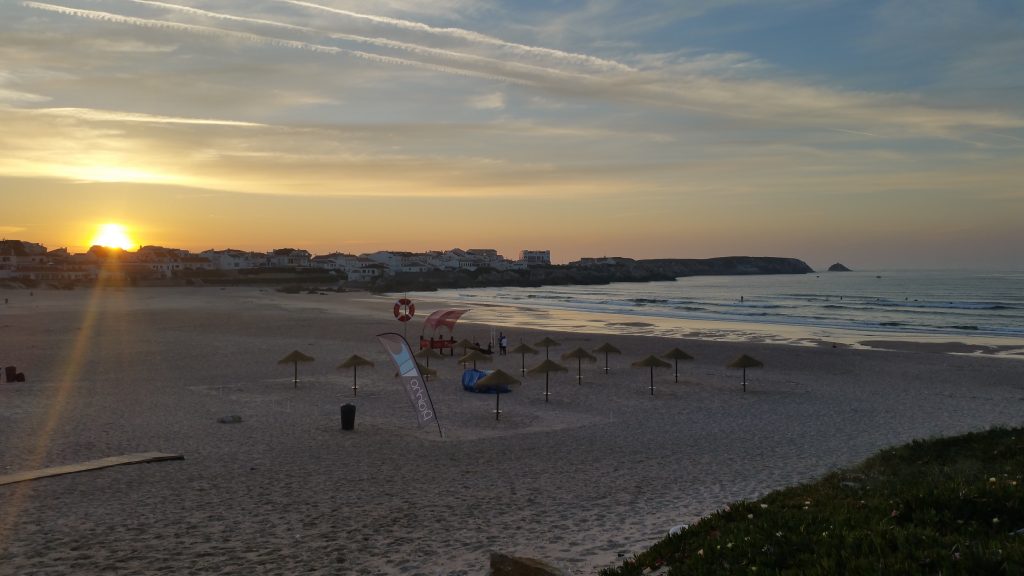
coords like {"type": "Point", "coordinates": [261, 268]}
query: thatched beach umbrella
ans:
{"type": "Point", "coordinates": [580, 355]}
{"type": "Point", "coordinates": [427, 354]}
{"type": "Point", "coordinates": [745, 362]}
{"type": "Point", "coordinates": [651, 362]}
{"type": "Point", "coordinates": [523, 350]}
{"type": "Point", "coordinates": [546, 368]}
{"type": "Point", "coordinates": [607, 349]}
{"type": "Point", "coordinates": [354, 362]}
{"type": "Point", "coordinates": [426, 371]}
{"type": "Point", "coordinates": [475, 356]}
{"type": "Point", "coordinates": [496, 381]}
{"type": "Point", "coordinates": [676, 354]}
{"type": "Point", "coordinates": [547, 343]}
{"type": "Point", "coordinates": [294, 358]}
{"type": "Point", "coordinates": [465, 345]}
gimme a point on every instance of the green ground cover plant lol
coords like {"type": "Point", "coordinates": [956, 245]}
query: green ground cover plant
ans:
{"type": "Point", "coordinates": [940, 506]}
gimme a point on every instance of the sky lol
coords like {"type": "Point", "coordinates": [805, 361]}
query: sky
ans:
{"type": "Point", "coordinates": [877, 133]}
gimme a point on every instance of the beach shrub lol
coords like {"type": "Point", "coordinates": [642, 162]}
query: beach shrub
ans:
{"type": "Point", "coordinates": [942, 506]}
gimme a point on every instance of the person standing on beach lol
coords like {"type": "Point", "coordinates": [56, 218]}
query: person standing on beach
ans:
{"type": "Point", "coordinates": [502, 344]}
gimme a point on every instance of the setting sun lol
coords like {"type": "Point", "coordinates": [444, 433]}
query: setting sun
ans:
{"type": "Point", "coordinates": [113, 236]}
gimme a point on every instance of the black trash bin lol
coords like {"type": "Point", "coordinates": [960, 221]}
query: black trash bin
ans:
{"type": "Point", "coordinates": [348, 417]}
{"type": "Point", "coordinates": [12, 373]}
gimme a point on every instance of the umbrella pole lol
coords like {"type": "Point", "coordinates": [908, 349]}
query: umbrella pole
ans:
{"type": "Point", "coordinates": [547, 378]}
{"type": "Point", "coordinates": [652, 380]}
{"type": "Point", "coordinates": [744, 379]}
{"type": "Point", "coordinates": [605, 362]}
{"type": "Point", "coordinates": [579, 371]}
{"type": "Point", "coordinates": [677, 370]}
{"type": "Point", "coordinates": [497, 407]}
{"type": "Point", "coordinates": [296, 380]}
{"type": "Point", "coordinates": [524, 362]}
{"type": "Point", "coordinates": [355, 383]}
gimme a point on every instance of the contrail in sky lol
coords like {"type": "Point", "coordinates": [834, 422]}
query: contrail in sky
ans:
{"type": "Point", "coordinates": [201, 12]}
{"type": "Point", "coordinates": [100, 115]}
{"type": "Point", "coordinates": [265, 40]}
{"type": "Point", "coordinates": [854, 132]}
{"type": "Point", "coordinates": [462, 57]}
{"type": "Point", "coordinates": [462, 34]}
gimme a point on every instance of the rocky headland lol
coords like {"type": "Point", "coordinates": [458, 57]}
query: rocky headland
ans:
{"type": "Point", "coordinates": [621, 270]}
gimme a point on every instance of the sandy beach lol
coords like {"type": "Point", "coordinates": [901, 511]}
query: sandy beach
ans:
{"type": "Point", "coordinates": [603, 469]}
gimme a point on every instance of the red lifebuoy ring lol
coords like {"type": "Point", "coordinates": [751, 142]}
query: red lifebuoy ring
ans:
{"type": "Point", "coordinates": [404, 310]}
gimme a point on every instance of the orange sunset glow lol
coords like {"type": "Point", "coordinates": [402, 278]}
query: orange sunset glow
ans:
{"type": "Point", "coordinates": [587, 128]}
{"type": "Point", "coordinates": [113, 235]}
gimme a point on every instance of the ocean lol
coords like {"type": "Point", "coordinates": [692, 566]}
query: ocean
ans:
{"type": "Point", "coordinates": [960, 306]}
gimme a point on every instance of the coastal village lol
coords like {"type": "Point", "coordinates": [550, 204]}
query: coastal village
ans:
{"type": "Point", "coordinates": [28, 261]}
{"type": "Point", "coordinates": [28, 264]}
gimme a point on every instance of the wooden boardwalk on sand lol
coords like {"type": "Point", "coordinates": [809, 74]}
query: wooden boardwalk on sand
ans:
{"type": "Point", "coordinates": [90, 465]}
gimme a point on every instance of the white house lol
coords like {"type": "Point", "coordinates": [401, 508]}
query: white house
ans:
{"type": "Point", "coordinates": [415, 267]}
{"type": "Point", "coordinates": [504, 264]}
{"type": "Point", "coordinates": [289, 258]}
{"type": "Point", "coordinates": [231, 259]}
{"type": "Point", "coordinates": [393, 260]}
{"type": "Point", "coordinates": [17, 252]}
{"type": "Point", "coordinates": [336, 261]}
{"type": "Point", "coordinates": [443, 260]}
{"type": "Point", "coordinates": [367, 269]}
{"type": "Point", "coordinates": [464, 260]}
{"type": "Point", "coordinates": [535, 257]}
{"type": "Point", "coordinates": [404, 261]}
{"type": "Point", "coordinates": [193, 262]}
{"type": "Point", "coordinates": [490, 258]}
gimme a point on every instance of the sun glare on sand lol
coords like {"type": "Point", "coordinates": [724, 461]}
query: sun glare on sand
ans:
{"type": "Point", "coordinates": [112, 236]}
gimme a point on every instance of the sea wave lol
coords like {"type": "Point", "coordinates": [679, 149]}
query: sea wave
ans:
{"type": "Point", "coordinates": [958, 303]}
{"type": "Point", "coordinates": [953, 305]}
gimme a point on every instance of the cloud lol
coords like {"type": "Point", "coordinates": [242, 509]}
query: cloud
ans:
{"type": "Point", "coordinates": [602, 23]}
{"type": "Point", "coordinates": [499, 159]}
{"type": "Point", "coordinates": [492, 101]}
{"type": "Point", "coordinates": [11, 96]}
{"type": "Point", "coordinates": [729, 85]}
{"type": "Point", "coordinates": [134, 46]}
{"type": "Point", "coordinates": [14, 96]}
{"type": "Point", "coordinates": [287, 106]}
